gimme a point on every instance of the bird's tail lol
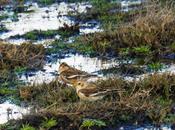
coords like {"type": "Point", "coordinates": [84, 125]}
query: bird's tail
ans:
{"type": "Point", "coordinates": [105, 92]}
{"type": "Point", "coordinates": [81, 76]}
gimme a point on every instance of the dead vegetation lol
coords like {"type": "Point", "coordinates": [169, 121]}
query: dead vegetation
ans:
{"type": "Point", "coordinates": [24, 55]}
{"type": "Point", "coordinates": [153, 28]}
{"type": "Point", "coordinates": [4, 2]}
{"type": "Point", "coordinates": [149, 99]}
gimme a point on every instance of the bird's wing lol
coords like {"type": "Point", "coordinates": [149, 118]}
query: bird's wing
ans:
{"type": "Point", "coordinates": [75, 76]}
{"type": "Point", "coordinates": [80, 76]}
{"type": "Point", "coordinates": [63, 78]}
{"type": "Point", "coordinates": [88, 91]}
{"type": "Point", "coordinates": [91, 92]}
{"type": "Point", "coordinates": [77, 70]}
{"type": "Point", "coordinates": [105, 92]}
{"type": "Point", "coordinates": [73, 71]}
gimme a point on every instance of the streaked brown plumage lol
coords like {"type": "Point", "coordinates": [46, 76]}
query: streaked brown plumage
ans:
{"type": "Point", "coordinates": [70, 74]}
{"type": "Point", "coordinates": [90, 92]}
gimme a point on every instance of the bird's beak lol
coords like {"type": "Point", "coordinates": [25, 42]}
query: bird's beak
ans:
{"type": "Point", "coordinates": [74, 84]}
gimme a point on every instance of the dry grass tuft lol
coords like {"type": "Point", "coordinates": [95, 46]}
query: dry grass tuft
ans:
{"type": "Point", "coordinates": [153, 28]}
{"type": "Point", "coordinates": [149, 99]}
{"type": "Point", "coordinates": [24, 55]}
{"type": "Point", "coordinates": [4, 2]}
{"type": "Point", "coordinates": [143, 98]}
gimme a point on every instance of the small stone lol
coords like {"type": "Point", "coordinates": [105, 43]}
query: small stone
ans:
{"type": "Point", "coordinates": [47, 11]}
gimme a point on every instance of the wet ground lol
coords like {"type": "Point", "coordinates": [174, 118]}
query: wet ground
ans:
{"type": "Point", "coordinates": [50, 69]}
{"type": "Point", "coordinates": [45, 18]}
{"type": "Point", "coordinates": [11, 111]}
{"type": "Point", "coordinates": [51, 18]}
{"type": "Point", "coordinates": [144, 127]}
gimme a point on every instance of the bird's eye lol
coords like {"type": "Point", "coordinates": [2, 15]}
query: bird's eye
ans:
{"type": "Point", "coordinates": [79, 83]}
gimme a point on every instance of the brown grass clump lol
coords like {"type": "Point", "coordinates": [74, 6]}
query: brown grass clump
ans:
{"type": "Point", "coordinates": [25, 92]}
{"type": "Point", "coordinates": [47, 94]}
{"type": "Point", "coordinates": [24, 55]}
{"type": "Point", "coordinates": [150, 99]}
{"type": "Point", "coordinates": [153, 28]}
{"type": "Point", "coordinates": [4, 2]}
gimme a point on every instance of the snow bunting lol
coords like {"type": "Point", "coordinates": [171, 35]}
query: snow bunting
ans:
{"type": "Point", "coordinates": [70, 74]}
{"type": "Point", "coordinates": [89, 91]}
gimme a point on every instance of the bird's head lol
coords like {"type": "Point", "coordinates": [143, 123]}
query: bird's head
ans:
{"type": "Point", "coordinates": [79, 84]}
{"type": "Point", "coordinates": [63, 66]}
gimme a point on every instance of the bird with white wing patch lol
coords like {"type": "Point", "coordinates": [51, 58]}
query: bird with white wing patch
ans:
{"type": "Point", "coordinates": [71, 75]}
{"type": "Point", "coordinates": [89, 91]}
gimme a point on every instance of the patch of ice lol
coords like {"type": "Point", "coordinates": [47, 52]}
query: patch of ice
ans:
{"type": "Point", "coordinates": [45, 18]}
{"type": "Point", "coordinates": [84, 63]}
{"type": "Point", "coordinates": [16, 41]}
{"type": "Point", "coordinates": [45, 42]}
{"type": "Point", "coordinates": [127, 3]}
{"type": "Point", "coordinates": [90, 30]}
{"type": "Point", "coordinates": [10, 111]}
{"type": "Point", "coordinates": [145, 127]}
{"type": "Point", "coordinates": [169, 69]}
